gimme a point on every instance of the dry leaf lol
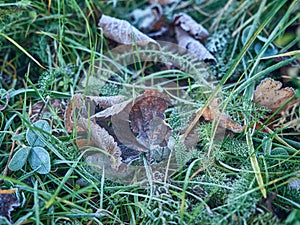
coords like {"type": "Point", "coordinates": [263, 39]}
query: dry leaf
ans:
{"type": "Point", "coordinates": [270, 95]}
{"type": "Point", "coordinates": [186, 23]}
{"type": "Point", "coordinates": [147, 118]}
{"type": "Point", "coordinates": [136, 124]}
{"type": "Point", "coordinates": [8, 201]}
{"type": "Point", "coordinates": [105, 102]}
{"type": "Point", "coordinates": [147, 17]}
{"type": "Point", "coordinates": [87, 105]}
{"type": "Point", "coordinates": [123, 32]}
{"type": "Point", "coordinates": [213, 113]}
{"type": "Point", "coordinates": [102, 140]}
{"type": "Point", "coordinates": [74, 108]}
{"type": "Point", "coordinates": [192, 45]}
{"type": "Point", "coordinates": [138, 121]}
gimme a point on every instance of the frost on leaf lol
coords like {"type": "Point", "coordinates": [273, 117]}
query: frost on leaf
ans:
{"type": "Point", "coordinates": [123, 32]}
{"type": "Point", "coordinates": [103, 140]}
{"type": "Point", "coordinates": [145, 19]}
{"type": "Point", "coordinates": [186, 23]}
{"type": "Point", "coordinates": [213, 113]}
{"type": "Point", "coordinates": [122, 129]}
{"type": "Point", "coordinates": [270, 95]}
{"type": "Point", "coordinates": [192, 45]}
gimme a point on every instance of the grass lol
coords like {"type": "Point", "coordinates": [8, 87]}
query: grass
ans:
{"type": "Point", "coordinates": [48, 47]}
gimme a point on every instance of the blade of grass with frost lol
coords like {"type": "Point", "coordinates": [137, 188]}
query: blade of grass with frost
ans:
{"type": "Point", "coordinates": [255, 164]}
{"type": "Point", "coordinates": [64, 180]}
{"type": "Point", "coordinates": [22, 49]}
{"type": "Point", "coordinates": [185, 184]}
{"type": "Point", "coordinates": [274, 34]}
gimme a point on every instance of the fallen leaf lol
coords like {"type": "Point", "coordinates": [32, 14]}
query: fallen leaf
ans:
{"type": "Point", "coordinates": [213, 113]}
{"type": "Point", "coordinates": [145, 18]}
{"type": "Point", "coordinates": [8, 201]}
{"type": "Point", "coordinates": [188, 24]}
{"type": "Point", "coordinates": [192, 45]}
{"type": "Point", "coordinates": [103, 140]}
{"type": "Point", "coordinates": [270, 95]}
{"type": "Point", "coordinates": [123, 32]}
{"type": "Point", "coordinates": [75, 105]}
{"type": "Point", "coordinates": [147, 118]}
{"type": "Point", "coordinates": [137, 125]}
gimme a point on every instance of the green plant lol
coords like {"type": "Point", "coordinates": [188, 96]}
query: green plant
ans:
{"type": "Point", "coordinates": [35, 153]}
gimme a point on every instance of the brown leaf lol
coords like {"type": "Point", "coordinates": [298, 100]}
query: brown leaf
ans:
{"type": "Point", "coordinates": [8, 201]}
{"type": "Point", "coordinates": [74, 109]}
{"type": "Point", "coordinates": [123, 32]}
{"type": "Point", "coordinates": [103, 140]}
{"type": "Point", "coordinates": [192, 45]}
{"type": "Point", "coordinates": [105, 102]}
{"type": "Point", "coordinates": [270, 95]}
{"type": "Point", "coordinates": [146, 18]}
{"type": "Point", "coordinates": [186, 23]}
{"type": "Point", "coordinates": [213, 113]}
{"type": "Point", "coordinates": [139, 123]}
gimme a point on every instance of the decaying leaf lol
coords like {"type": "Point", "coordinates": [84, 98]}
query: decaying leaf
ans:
{"type": "Point", "coordinates": [213, 113]}
{"type": "Point", "coordinates": [147, 118]}
{"type": "Point", "coordinates": [8, 201]}
{"type": "Point", "coordinates": [102, 140]}
{"type": "Point", "coordinates": [145, 18]}
{"type": "Point", "coordinates": [192, 45]}
{"type": "Point", "coordinates": [74, 107]}
{"type": "Point", "coordinates": [123, 32]}
{"type": "Point", "coordinates": [270, 95]}
{"type": "Point", "coordinates": [136, 124]}
{"type": "Point", "coordinates": [186, 23]}
{"type": "Point", "coordinates": [86, 107]}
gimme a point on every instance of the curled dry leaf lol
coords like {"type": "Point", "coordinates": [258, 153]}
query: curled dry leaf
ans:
{"type": "Point", "coordinates": [192, 45]}
{"type": "Point", "coordinates": [146, 18]}
{"type": "Point", "coordinates": [137, 124]}
{"type": "Point", "coordinates": [213, 113]}
{"type": "Point", "coordinates": [147, 118]}
{"type": "Point", "coordinates": [8, 201]}
{"type": "Point", "coordinates": [103, 140]}
{"type": "Point", "coordinates": [270, 95]}
{"type": "Point", "coordinates": [81, 105]}
{"type": "Point", "coordinates": [123, 32]}
{"type": "Point", "coordinates": [186, 23]}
